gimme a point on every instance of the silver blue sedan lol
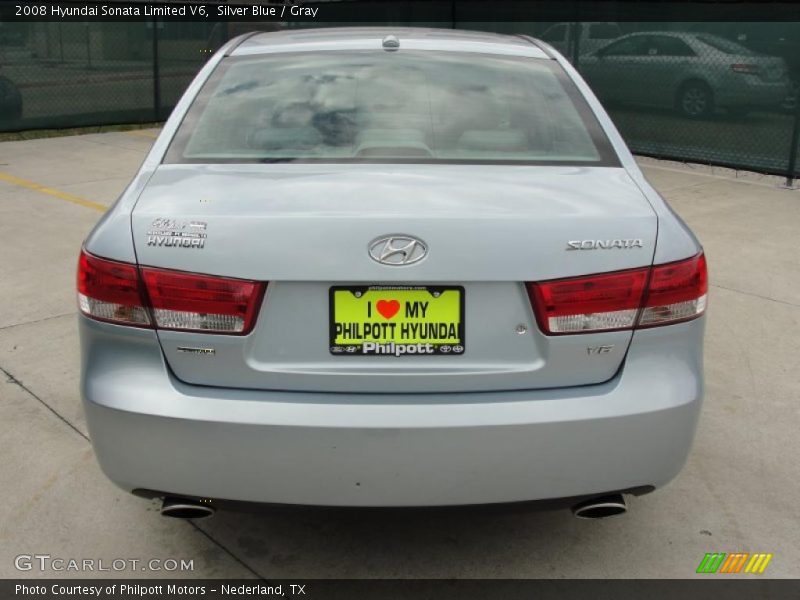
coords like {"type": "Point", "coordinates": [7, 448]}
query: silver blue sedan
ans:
{"type": "Point", "coordinates": [390, 267]}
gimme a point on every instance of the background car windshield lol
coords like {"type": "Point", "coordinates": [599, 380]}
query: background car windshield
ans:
{"type": "Point", "coordinates": [379, 106]}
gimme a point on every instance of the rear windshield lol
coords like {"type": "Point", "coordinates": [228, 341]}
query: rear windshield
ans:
{"type": "Point", "coordinates": [405, 106]}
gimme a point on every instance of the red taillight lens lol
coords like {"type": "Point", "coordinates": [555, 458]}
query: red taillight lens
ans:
{"type": "Point", "coordinates": [677, 292]}
{"type": "Point", "coordinates": [611, 301]}
{"type": "Point", "coordinates": [202, 302]}
{"type": "Point", "coordinates": [594, 303]}
{"type": "Point", "coordinates": [113, 291]}
{"type": "Point", "coordinates": [746, 68]}
{"type": "Point", "coordinates": [109, 291]}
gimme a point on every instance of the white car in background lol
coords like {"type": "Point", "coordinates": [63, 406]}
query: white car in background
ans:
{"type": "Point", "coordinates": [694, 73]}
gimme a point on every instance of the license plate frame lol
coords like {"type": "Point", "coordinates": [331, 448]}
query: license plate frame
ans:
{"type": "Point", "coordinates": [396, 347]}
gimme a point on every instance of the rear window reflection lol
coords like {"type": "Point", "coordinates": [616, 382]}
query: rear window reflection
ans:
{"type": "Point", "coordinates": [408, 106]}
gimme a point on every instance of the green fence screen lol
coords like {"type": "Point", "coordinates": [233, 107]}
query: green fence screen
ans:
{"type": "Point", "coordinates": [715, 92]}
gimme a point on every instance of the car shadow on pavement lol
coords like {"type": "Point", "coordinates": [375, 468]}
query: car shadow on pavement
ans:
{"type": "Point", "coordinates": [449, 542]}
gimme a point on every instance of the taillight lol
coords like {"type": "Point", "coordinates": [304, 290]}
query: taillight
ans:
{"type": "Point", "coordinates": [746, 68]}
{"type": "Point", "coordinates": [676, 292]}
{"type": "Point", "coordinates": [122, 293]}
{"type": "Point", "coordinates": [594, 303]}
{"type": "Point", "coordinates": [194, 302]}
{"type": "Point", "coordinates": [645, 297]}
{"type": "Point", "coordinates": [110, 291]}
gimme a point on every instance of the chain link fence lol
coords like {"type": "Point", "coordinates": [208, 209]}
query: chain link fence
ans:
{"type": "Point", "coordinates": [702, 92]}
{"type": "Point", "coordinates": [719, 93]}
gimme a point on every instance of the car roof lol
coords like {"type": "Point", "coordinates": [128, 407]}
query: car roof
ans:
{"type": "Point", "coordinates": [370, 38]}
{"type": "Point", "coordinates": [686, 36]}
{"type": "Point", "coordinates": [683, 35]}
{"type": "Point", "coordinates": [677, 34]}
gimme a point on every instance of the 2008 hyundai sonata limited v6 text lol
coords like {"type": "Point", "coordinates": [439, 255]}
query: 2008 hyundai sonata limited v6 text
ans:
{"type": "Point", "coordinates": [390, 267]}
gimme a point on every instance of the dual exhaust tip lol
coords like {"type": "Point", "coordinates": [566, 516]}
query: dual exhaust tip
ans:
{"type": "Point", "coordinates": [187, 508]}
{"type": "Point", "coordinates": [600, 507]}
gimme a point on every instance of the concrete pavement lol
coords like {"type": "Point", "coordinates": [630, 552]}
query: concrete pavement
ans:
{"type": "Point", "coordinates": [737, 493]}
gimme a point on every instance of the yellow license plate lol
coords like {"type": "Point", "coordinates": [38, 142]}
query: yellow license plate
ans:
{"type": "Point", "coordinates": [396, 320]}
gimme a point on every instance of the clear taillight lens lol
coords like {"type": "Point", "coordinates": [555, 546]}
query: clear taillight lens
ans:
{"type": "Point", "coordinates": [646, 297]}
{"type": "Point", "coordinates": [125, 294]}
{"type": "Point", "coordinates": [195, 302]}
{"type": "Point", "coordinates": [110, 291]}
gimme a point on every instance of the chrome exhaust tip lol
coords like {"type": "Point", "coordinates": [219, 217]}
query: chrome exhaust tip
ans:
{"type": "Point", "coordinates": [600, 507]}
{"type": "Point", "coordinates": [185, 508]}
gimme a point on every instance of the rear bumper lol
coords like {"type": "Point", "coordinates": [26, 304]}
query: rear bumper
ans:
{"type": "Point", "coordinates": [151, 431]}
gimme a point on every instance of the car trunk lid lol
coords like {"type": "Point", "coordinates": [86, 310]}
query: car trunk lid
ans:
{"type": "Point", "coordinates": [306, 228]}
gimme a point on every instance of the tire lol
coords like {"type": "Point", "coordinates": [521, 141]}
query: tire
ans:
{"type": "Point", "coordinates": [695, 100]}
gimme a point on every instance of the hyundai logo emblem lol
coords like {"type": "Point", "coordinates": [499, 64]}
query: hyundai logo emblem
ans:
{"type": "Point", "coordinates": [397, 250]}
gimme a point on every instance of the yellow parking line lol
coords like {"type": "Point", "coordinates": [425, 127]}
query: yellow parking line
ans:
{"type": "Point", "coordinates": [32, 185]}
{"type": "Point", "coordinates": [142, 133]}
